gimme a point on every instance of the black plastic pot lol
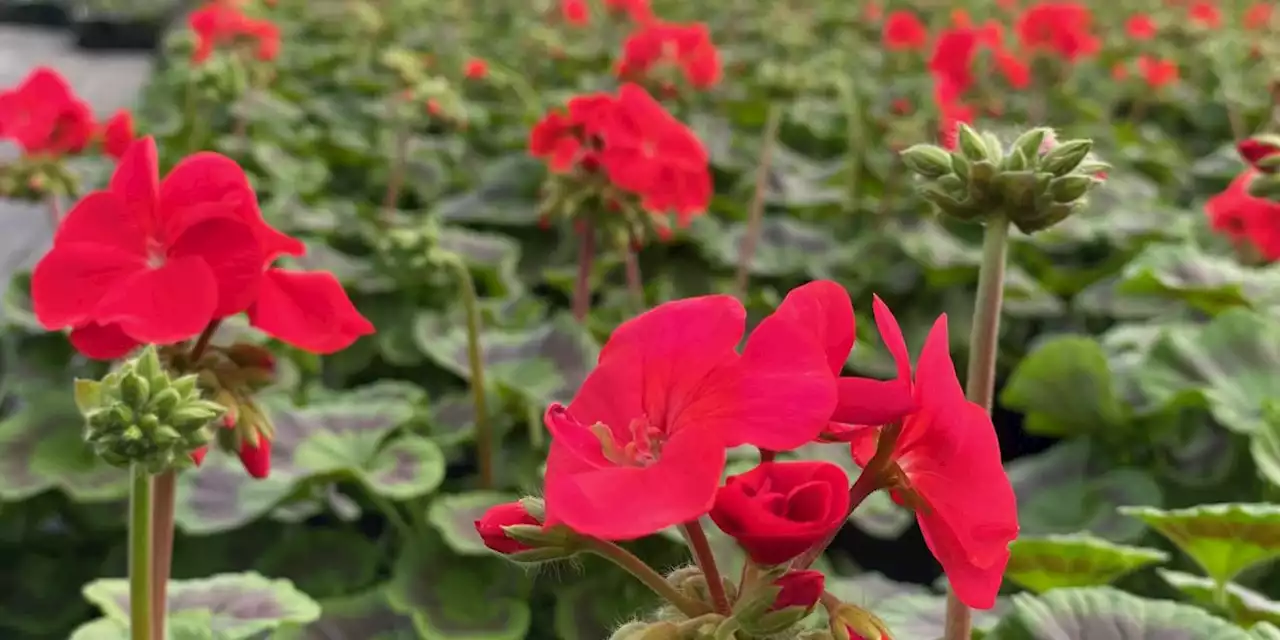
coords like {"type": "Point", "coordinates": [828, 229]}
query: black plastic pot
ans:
{"type": "Point", "coordinates": [100, 28]}
{"type": "Point", "coordinates": [52, 13]}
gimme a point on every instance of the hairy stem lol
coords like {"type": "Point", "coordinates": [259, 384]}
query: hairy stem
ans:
{"type": "Point", "coordinates": [140, 554]}
{"type": "Point", "coordinates": [53, 209]}
{"type": "Point", "coordinates": [755, 220]}
{"type": "Point", "coordinates": [475, 359]}
{"type": "Point", "coordinates": [582, 284]}
{"type": "Point", "coordinates": [701, 548]}
{"type": "Point", "coordinates": [164, 499]}
{"type": "Point", "coordinates": [981, 380]}
{"type": "Point", "coordinates": [635, 284]}
{"type": "Point", "coordinates": [645, 574]}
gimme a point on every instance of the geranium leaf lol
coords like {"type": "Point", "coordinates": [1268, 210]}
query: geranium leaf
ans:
{"type": "Point", "coordinates": [452, 597]}
{"type": "Point", "coordinates": [183, 625]}
{"type": "Point", "coordinates": [1224, 539]}
{"type": "Point", "coordinates": [407, 467]}
{"type": "Point", "coordinates": [543, 364]}
{"type": "Point", "coordinates": [868, 590]}
{"type": "Point", "coordinates": [924, 616]}
{"type": "Point", "coordinates": [491, 255]}
{"type": "Point", "coordinates": [1062, 491]}
{"type": "Point", "coordinates": [322, 563]}
{"type": "Point", "coordinates": [1245, 606]}
{"type": "Point", "coordinates": [1209, 283]}
{"type": "Point", "coordinates": [42, 447]}
{"type": "Point", "coordinates": [1264, 446]}
{"type": "Point", "coordinates": [338, 433]}
{"type": "Point", "coordinates": [1104, 613]}
{"type": "Point", "coordinates": [455, 516]}
{"type": "Point", "coordinates": [787, 247]}
{"type": "Point", "coordinates": [506, 194]}
{"type": "Point", "coordinates": [1265, 631]}
{"type": "Point", "coordinates": [1078, 560]}
{"type": "Point", "coordinates": [240, 605]}
{"type": "Point", "coordinates": [596, 603]}
{"type": "Point", "coordinates": [1064, 387]}
{"type": "Point", "coordinates": [367, 616]}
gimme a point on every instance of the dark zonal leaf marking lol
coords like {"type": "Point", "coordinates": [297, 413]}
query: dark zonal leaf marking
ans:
{"type": "Point", "coordinates": [453, 597]}
{"type": "Point", "coordinates": [367, 616]}
{"type": "Point", "coordinates": [407, 467]}
{"type": "Point", "coordinates": [1104, 613]}
{"type": "Point", "coordinates": [1078, 560]}
{"type": "Point", "coordinates": [323, 563]}
{"type": "Point", "coordinates": [787, 246]}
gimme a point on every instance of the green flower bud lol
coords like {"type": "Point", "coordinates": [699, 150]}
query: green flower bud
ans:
{"type": "Point", "coordinates": [927, 160]}
{"type": "Point", "coordinates": [971, 144]}
{"type": "Point", "coordinates": [1030, 142]}
{"type": "Point", "coordinates": [1070, 188]}
{"type": "Point", "coordinates": [139, 415]}
{"type": "Point", "coordinates": [1265, 186]}
{"type": "Point", "coordinates": [647, 631]}
{"type": "Point", "coordinates": [1065, 157]}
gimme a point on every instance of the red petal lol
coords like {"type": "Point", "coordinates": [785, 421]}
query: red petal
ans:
{"type": "Point", "coordinates": [975, 585]}
{"type": "Point", "coordinates": [102, 341]}
{"type": "Point", "coordinates": [784, 391]}
{"type": "Point", "coordinates": [103, 218]}
{"type": "Point", "coordinates": [208, 177]}
{"type": "Point", "coordinates": [232, 252]}
{"type": "Point", "coordinates": [198, 455]}
{"type": "Point", "coordinates": [136, 182]}
{"type": "Point", "coordinates": [624, 503]}
{"type": "Point", "coordinates": [165, 305]}
{"type": "Point", "coordinates": [863, 401]}
{"type": "Point", "coordinates": [309, 310]}
{"type": "Point", "coordinates": [891, 334]}
{"type": "Point", "coordinates": [69, 281]}
{"type": "Point", "coordinates": [824, 308]}
{"type": "Point", "coordinates": [256, 460]}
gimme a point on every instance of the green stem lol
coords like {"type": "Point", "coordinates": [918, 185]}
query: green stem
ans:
{"type": "Point", "coordinates": [392, 513]}
{"type": "Point", "coordinates": [645, 574]}
{"type": "Point", "coordinates": [706, 560]}
{"type": "Point", "coordinates": [635, 282]}
{"type": "Point", "coordinates": [755, 219]}
{"type": "Point", "coordinates": [582, 283]}
{"type": "Point", "coordinates": [164, 497]}
{"type": "Point", "coordinates": [868, 482]}
{"type": "Point", "coordinates": [984, 344]}
{"type": "Point", "coordinates": [140, 554]}
{"type": "Point", "coordinates": [475, 357]}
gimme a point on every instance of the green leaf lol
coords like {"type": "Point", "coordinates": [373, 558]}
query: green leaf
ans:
{"type": "Point", "coordinates": [42, 447]}
{"type": "Point", "coordinates": [1079, 560]}
{"type": "Point", "coordinates": [240, 605]}
{"type": "Point", "coordinates": [367, 616]}
{"type": "Point", "coordinates": [452, 417]}
{"type": "Point", "coordinates": [591, 606]}
{"type": "Point", "coordinates": [1233, 363]}
{"type": "Point", "coordinates": [1209, 283]}
{"type": "Point", "coordinates": [323, 562]}
{"type": "Point", "coordinates": [787, 247]}
{"type": "Point", "coordinates": [1265, 631]}
{"type": "Point", "coordinates": [1065, 490]}
{"type": "Point", "coordinates": [868, 590]}
{"type": "Point", "coordinates": [1224, 539]}
{"type": "Point", "coordinates": [543, 364]}
{"type": "Point", "coordinates": [507, 194]}
{"type": "Point", "coordinates": [1264, 446]}
{"type": "Point", "coordinates": [338, 433]}
{"type": "Point", "coordinates": [463, 598]}
{"type": "Point", "coordinates": [1104, 613]}
{"type": "Point", "coordinates": [1244, 606]}
{"type": "Point", "coordinates": [924, 616]}
{"type": "Point", "coordinates": [184, 625]}
{"type": "Point", "coordinates": [455, 516]}
{"type": "Point", "coordinates": [1064, 387]}
{"type": "Point", "coordinates": [16, 308]}
{"type": "Point", "coordinates": [408, 467]}
{"type": "Point", "coordinates": [492, 255]}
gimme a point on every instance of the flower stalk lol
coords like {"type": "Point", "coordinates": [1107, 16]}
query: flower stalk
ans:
{"type": "Point", "coordinates": [582, 284]}
{"type": "Point", "coordinates": [140, 619]}
{"type": "Point", "coordinates": [755, 220]}
{"type": "Point", "coordinates": [164, 489]}
{"type": "Point", "coordinates": [706, 560]}
{"type": "Point", "coordinates": [475, 359]}
{"type": "Point", "coordinates": [644, 573]}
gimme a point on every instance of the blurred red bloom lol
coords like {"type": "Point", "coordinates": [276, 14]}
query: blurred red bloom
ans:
{"type": "Point", "coordinates": [903, 30]}
{"type": "Point", "coordinates": [951, 111]}
{"type": "Point", "coordinates": [1016, 72]}
{"type": "Point", "coordinates": [1140, 27]}
{"type": "Point", "coordinates": [220, 24]}
{"type": "Point", "coordinates": [117, 134]}
{"type": "Point", "coordinates": [656, 51]}
{"type": "Point", "coordinates": [947, 467]}
{"type": "Point", "coordinates": [1244, 218]}
{"type": "Point", "coordinates": [476, 69]}
{"type": "Point", "coordinates": [575, 12]}
{"type": "Point", "coordinates": [1158, 72]}
{"type": "Point", "coordinates": [1062, 29]}
{"type": "Point", "coordinates": [1205, 14]}
{"type": "Point", "coordinates": [256, 458]}
{"type": "Point", "coordinates": [1254, 150]}
{"type": "Point", "coordinates": [42, 115]}
{"type": "Point", "coordinates": [1258, 16]}
{"type": "Point", "coordinates": [953, 55]}
{"type": "Point", "coordinates": [642, 446]}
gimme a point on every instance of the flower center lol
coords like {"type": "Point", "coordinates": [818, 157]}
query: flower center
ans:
{"type": "Point", "coordinates": [155, 254]}
{"type": "Point", "coordinates": [641, 450]}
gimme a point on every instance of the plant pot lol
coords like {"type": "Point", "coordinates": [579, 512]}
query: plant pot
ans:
{"type": "Point", "coordinates": [107, 24]}
{"type": "Point", "coordinates": [51, 13]}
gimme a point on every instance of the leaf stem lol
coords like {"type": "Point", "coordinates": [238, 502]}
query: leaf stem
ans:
{"type": "Point", "coordinates": [582, 284]}
{"type": "Point", "coordinates": [755, 216]}
{"type": "Point", "coordinates": [164, 499]}
{"type": "Point", "coordinates": [475, 358]}
{"type": "Point", "coordinates": [140, 554]}
{"type": "Point", "coordinates": [645, 574]}
{"type": "Point", "coordinates": [984, 344]}
{"type": "Point", "coordinates": [706, 560]}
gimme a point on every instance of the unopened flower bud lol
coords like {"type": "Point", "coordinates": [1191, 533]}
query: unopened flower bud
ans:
{"type": "Point", "coordinates": [799, 589]}
{"type": "Point", "coordinates": [647, 631]}
{"type": "Point", "coordinates": [1265, 186]}
{"type": "Point", "coordinates": [510, 529]}
{"type": "Point", "coordinates": [1068, 189]}
{"type": "Point", "coordinates": [1065, 157]}
{"type": "Point", "coordinates": [855, 623]}
{"type": "Point", "coordinates": [927, 160]}
{"type": "Point", "coordinates": [492, 527]}
{"type": "Point", "coordinates": [970, 143]}
{"type": "Point", "coordinates": [1262, 152]}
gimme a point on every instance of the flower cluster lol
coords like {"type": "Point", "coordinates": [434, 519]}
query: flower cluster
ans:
{"type": "Point", "coordinates": [642, 447]}
{"type": "Point", "coordinates": [627, 152]}
{"type": "Point", "coordinates": [221, 25]}
{"type": "Point", "coordinates": [668, 56]}
{"type": "Point", "coordinates": [147, 261]}
{"type": "Point", "coordinates": [577, 13]}
{"type": "Point", "coordinates": [1248, 211]}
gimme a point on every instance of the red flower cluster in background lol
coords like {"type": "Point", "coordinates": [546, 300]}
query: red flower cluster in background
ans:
{"type": "Point", "coordinates": [117, 134]}
{"type": "Point", "coordinates": [1246, 219]}
{"type": "Point", "coordinates": [1060, 29]}
{"type": "Point", "coordinates": [152, 261]}
{"type": "Point", "coordinates": [635, 143]}
{"type": "Point", "coordinates": [643, 444]}
{"type": "Point", "coordinates": [664, 53]}
{"type": "Point", "coordinates": [578, 13]}
{"type": "Point", "coordinates": [44, 116]}
{"type": "Point", "coordinates": [222, 24]}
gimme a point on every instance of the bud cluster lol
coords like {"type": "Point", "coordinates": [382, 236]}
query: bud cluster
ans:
{"type": "Point", "coordinates": [138, 414]}
{"type": "Point", "coordinates": [1035, 183]}
{"type": "Point", "coordinates": [1262, 152]}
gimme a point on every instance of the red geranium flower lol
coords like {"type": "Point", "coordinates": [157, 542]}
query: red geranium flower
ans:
{"type": "Point", "coordinates": [952, 59]}
{"type": "Point", "coordinates": [42, 115]}
{"type": "Point", "coordinates": [1245, 218]}
{"type": "Point", "coordinates": [1059, 28]}
{"type": "Point", "coordinates": [1205, 14]}
{"type": "Point", "coordinates": [117, 134]}
{"type": "Point", "coordinates": [491, 526]}
{"type": "Point", "coordinates": [220, 24]}
{"type": "Point", "coordinates": [575, 12]}
{"type": "Point", "coordinates": [1157, 72]}
{"type": "Point", "coordinates": [685, 47]}
{"type": "Point", "coordinates": [1140, 27]}
{"type": "Point", "coordinates": [779, 510]}
{"type": "Point", "coordinates": [1258, 16]}
{"type": "Point", "coordinates": [476, 69]}
{"type": "Point", "coordinates": [642, 445]}
{"type": "Point", "coordinates": [903, 30]}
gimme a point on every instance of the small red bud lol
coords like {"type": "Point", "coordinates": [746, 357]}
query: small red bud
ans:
{"type": "Point", "coordinates": [198, 455]}
{"type": "Point", "coordinates": [490, 525]}
{"type": "Point", "coordinates": [799, 589]}
{"type": "Point", "coordinates": [256, 459]}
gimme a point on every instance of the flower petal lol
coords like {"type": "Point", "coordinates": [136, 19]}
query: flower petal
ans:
{"type": "Point", "coordinates": [824, 307]}
{"type": "Point", "coordinates": [103, 218]}
{"type": "Point", "coordinates": [136, 182]}
{"type": "Point", "coordinates": [69, 282]}
{"type": "Point", "coordinates": [307, 309]}
{"type": "Point", "coordinates": [166, 305]}
{"type": "Point", "coordinates": [232, 252]}
{"type": "Point", "coordinates": [863, 401]}
{"type": "Point", "coordinates": [891, 334]}
{"type": "Point", "coordinates": [975, 585]}
{"type": "Point", "coordinates": [102, 341]}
